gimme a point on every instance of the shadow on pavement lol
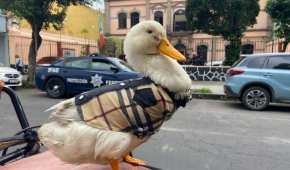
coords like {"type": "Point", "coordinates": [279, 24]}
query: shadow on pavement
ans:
{"type": "Point", "coordinates": [272, 108]}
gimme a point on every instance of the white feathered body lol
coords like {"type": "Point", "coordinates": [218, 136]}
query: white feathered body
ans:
{"type": "Point", "coordinates": [74, 142]}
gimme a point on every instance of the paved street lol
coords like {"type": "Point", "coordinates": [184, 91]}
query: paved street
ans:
{"type": "Point", "coordinates": [207, 134]}
{"type": "Point", "coordinates": [34, 103]}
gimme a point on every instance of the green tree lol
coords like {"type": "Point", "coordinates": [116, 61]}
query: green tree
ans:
{"type": "Point", "coordinates": [279, 10]}
{"type": "Point", "coordinates": [226, 18]}
{"type": "Point", "coordinates": [40, 14]}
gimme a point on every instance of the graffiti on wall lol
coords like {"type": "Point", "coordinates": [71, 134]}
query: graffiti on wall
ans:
{"type": "Point", "coordinates": [204, 73]}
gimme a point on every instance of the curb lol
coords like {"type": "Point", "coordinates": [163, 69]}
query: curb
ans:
{"type": "Point", "coordinates": [211, 96]}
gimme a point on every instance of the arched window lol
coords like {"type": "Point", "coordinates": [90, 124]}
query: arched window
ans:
{"type": "Point", "coordinates": [202, 54]}
{"type": "Point", "coordinates": [158, 16]}
{"type": "Point", "coordinates": [179, 20]}
{"type": "Point", "coordinates": [134, 18]}
{"type": "Point", "coordinates": [247, 49]}
{"type": "Point", "coordinates": [122, 20]}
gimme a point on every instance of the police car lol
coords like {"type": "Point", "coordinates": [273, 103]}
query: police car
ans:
{"type": "Point", "coordinates": [78, 74]}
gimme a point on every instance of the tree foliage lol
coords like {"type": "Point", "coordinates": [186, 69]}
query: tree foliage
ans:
{"type": "Point", "coordinates": [40, 14]}
{"type": "Point", "coordinates": [279, 10]}
{"type": "Point", "coordinates": [226, 18]}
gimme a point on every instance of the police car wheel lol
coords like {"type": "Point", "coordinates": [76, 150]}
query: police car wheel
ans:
{"type": "Point", "coordinates": [55, 88]}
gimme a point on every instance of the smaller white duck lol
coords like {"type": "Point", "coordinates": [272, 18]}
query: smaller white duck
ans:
{"type": "Point", "coordinates": [105, 124]}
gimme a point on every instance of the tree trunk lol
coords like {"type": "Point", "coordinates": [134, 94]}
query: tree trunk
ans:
{"type": "Point", "coordinates": [33, 49]}
{"type": "Point", "coordinates": [285, 43]}
{"type": "Point", "coordinates": [233, 51]}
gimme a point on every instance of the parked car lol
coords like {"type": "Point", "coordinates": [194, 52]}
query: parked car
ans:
{"type": "Point", "coordinates": [78, 74]}
{"type": "Point", "coordinates": [10, 76]}
{"type": "Point", "coordinates": [260, 79]}
{"type": "Point", "coordinates": [46, 61]}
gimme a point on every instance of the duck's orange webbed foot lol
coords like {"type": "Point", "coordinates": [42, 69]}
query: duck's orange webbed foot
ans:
{"type": "Point", "coordinates": [133, 161]}
{"type": "Point", "coordinates": [2, 84]}
{"type": "Point", "coordinates": [115, 164]}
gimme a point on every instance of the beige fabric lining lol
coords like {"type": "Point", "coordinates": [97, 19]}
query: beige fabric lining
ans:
{"type": "Point", "coordinates": [113, 115]}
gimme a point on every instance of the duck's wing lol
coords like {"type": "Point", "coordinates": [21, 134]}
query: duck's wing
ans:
{"type": "Point", "coordinates": [78, 143]}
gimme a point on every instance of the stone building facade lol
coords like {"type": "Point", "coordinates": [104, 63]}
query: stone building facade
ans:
{"type": "Point", "coordinates": [121, 15]}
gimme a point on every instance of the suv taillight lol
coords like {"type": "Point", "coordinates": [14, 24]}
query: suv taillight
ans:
{"type": "Point", "coordinates": [235, 71]}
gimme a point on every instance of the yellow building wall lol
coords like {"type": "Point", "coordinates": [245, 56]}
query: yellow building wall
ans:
{"type": "Point", "coordinates": [81, 21]}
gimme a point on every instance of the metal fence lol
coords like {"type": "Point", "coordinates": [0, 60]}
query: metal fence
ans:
{"type": "Point", "coordinates": [206, 73]}
{"type": "Point", "coordinates": [212, 52]}
{"type": "Point", "coordinates": [21, 45]}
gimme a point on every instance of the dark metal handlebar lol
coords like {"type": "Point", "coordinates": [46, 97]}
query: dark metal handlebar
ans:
{"type": "Point", "coordinates": [26, 136]}
{"type": "Point", "coordinates": [17, 106]}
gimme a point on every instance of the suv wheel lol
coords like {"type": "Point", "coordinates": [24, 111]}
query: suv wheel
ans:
{"type": "Point", "coordinates": [256, 98]}
{"type": "Point", "coordinates": [55, 88]}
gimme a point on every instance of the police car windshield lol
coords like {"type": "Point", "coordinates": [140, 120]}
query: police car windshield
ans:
{"type": "Point", "coordinates": [59, 63]}
{"type": "Point", "coordinates": [125, 66]}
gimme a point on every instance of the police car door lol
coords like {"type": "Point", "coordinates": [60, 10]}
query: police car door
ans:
{"type": "Point", "coordinates": [103, 72]}
{"type": "Point", "coordinates": [77, 74]}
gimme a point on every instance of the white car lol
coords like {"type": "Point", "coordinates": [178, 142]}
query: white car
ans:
{"type": "Point", "coordinates": [10, 76]}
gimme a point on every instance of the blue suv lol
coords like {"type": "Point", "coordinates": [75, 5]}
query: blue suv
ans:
{"type": "Point", "coordinates": [259, 79]}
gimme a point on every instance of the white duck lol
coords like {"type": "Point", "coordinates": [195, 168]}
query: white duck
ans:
{"type": "Point", "coordinates": [72, 140]}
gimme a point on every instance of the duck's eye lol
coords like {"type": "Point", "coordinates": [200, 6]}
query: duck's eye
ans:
{"type": "Point", "coordinates": [149, 31]}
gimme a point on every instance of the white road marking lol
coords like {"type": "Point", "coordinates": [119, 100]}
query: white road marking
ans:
{"type": "Point", "coordinates": [270, 140]}
{"type": "Point", "coordinates": [167, 148]}
{"type": "Point", "coordinates": [276, 140]}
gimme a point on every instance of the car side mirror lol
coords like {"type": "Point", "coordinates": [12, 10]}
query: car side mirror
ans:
{"type": "Point", "coordinates": [115, 69]}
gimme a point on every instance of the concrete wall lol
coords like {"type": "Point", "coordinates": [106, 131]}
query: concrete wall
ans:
{"type": "Point", "coordinates": [3, 23]}
{"type": "Point", "coordinates": [80, 21]}
{"type": "Point", "coordinates": [4, 55]}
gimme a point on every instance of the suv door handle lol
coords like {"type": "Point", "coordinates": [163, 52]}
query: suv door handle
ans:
{"type": "Point", "coordinates": [268, 74]}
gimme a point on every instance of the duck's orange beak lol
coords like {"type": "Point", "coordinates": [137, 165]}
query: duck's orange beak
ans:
{"type": "Point", "coordinates": [168, 50]}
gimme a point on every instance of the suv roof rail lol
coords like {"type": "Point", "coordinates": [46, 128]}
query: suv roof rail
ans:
{"type": "Point", "coordinates": [266, 54]}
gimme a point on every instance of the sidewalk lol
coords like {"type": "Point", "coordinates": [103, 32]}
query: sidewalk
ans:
{"type": "Point", "coordinates": [216, 90]}
{"type": "Point", "coordinates": [214, 86]}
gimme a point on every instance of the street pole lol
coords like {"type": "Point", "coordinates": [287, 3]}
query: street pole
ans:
{"type": "Point", "coordinates": [213, 48]}
{"type": "Point", "coordinates": [273, 45]}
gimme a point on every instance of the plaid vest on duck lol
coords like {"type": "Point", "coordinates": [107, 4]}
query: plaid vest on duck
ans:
{"type": "Point", "coordinates": [136, 106]}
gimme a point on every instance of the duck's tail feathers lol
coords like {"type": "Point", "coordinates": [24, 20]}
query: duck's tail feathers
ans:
{"type": "Point", "coordinates": [64, 112]}
{"type": "Point", "coordinates": [62, 105]}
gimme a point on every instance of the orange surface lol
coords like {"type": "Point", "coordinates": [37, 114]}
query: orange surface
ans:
{"type": "Point", "coordinates": [2, 84]}
{"type": "Point", "coordinates": [46, 161]}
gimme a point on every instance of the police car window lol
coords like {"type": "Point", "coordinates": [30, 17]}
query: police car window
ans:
{"type": "Point", "coordinates": [101, 65]}
{"type": "Point", "coordinates": [83, 64]}
{"type": "Point", "coordinates": [279, 62]}
{"type": "Point", "coordinates": [125, 66]}
{"type": "Point", "coordinates": [59, 63]}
